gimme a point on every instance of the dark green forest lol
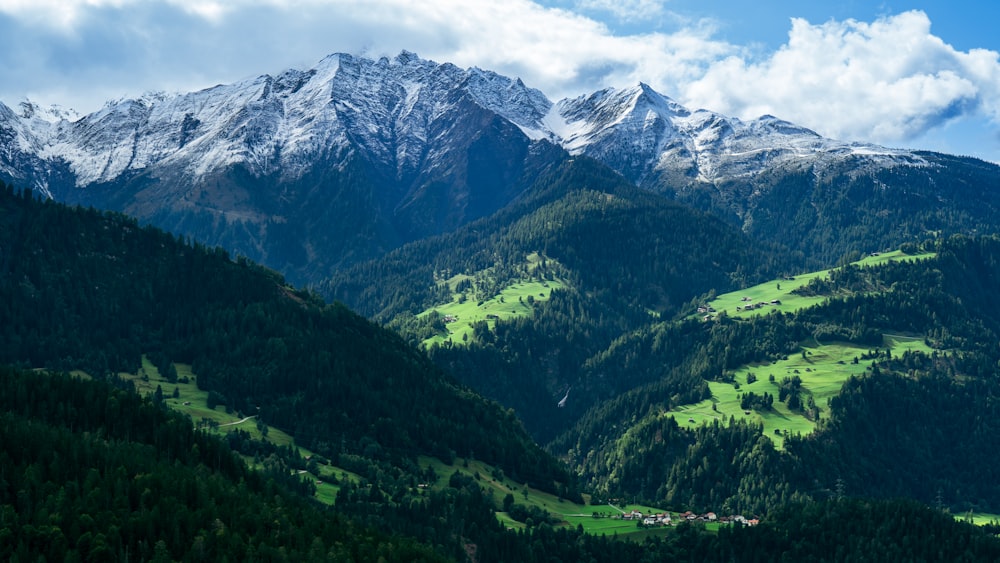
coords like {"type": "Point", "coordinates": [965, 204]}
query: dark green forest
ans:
{"type": "Point", "coordinates": [89, 290]}
{"type": "Point", "coordinates": [629, 257]}
{"type": "Point", "coordinates": [918, 426]}
{"type": "Point", "coordinates": [90, 471]}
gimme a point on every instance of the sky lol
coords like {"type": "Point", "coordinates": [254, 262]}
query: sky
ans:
{"type": "Point", "coordinates": [923, 75]}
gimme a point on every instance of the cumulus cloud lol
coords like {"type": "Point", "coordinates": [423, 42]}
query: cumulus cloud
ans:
{"type": "Point", "coordinates": [186, 44]}
{"type": "Point", "coordinates": [625, 10]}
{"type": "Point", "coordinates": [888, 81]}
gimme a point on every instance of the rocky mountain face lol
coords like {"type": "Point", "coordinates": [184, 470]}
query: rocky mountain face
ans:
{"type": "Point", "coordinates": [303, 171]}
{"type": "Point", "coordinates": [309, 171]}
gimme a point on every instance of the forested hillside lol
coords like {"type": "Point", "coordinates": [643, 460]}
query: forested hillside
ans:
{"type": "Point", "coordinates": [94, 473]}
{"type": "Point", "coordinates": [917, 424]}
{"type": "Point", "coordinates": [824, 211]}
{"type": "Point", "coordinates": [623, 258]}
{"type": "Point", "coordinates": [94, 291]}
{"type": "Point", "coordinates": [89, 471]}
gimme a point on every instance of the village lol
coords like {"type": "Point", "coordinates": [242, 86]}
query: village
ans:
{"type": "Point", "coordinates": [708, 311]}
{"type": "Point", "coordinates": [664, 518]}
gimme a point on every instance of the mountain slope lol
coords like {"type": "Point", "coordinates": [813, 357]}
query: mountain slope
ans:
{"type": "Point", "coordinates": [95, 473]}
{"type": "Point", "coordinates": [85, 290]}
{"type": "Point", "coordinates": [898, 424]}
{"type": "Point", "coordinates": [304, 171]}
{"type": "Point", "coordinates": [780, 182]}
{"type": "Point", "coordinates": [310, 171]}
{"type": "Point", "coordinates": [619, 257]}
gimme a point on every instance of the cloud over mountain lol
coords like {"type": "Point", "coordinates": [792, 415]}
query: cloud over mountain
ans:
{"type": "Point", "coordinates": [889, 81]}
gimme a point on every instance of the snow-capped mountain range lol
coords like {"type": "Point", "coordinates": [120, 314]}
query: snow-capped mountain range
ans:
{"type": "Point", "coordinates": [387, 109]}
{"type": "Point", "coordinates": [381, 151]}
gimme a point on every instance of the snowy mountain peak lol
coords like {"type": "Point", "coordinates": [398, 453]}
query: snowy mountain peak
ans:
{"type": "Point", "coordinates": [406, 57]}
{"type": "Point", "coordinates": [393, 110]}
{"type": "Point", "coordinates": [638, 116]}
{"type": "Point", "coordinates": [52, 114]}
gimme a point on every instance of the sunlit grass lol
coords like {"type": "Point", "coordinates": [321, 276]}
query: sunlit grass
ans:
{"type": "Point", "coordinates": [193, 402]}
{"type": "Point", "coordinates": [823, 369]}
{"type": "Point", "coordinates": [569, 513]}
{"type": "Point", "coordinates": [514, 300]}
{"type": "Point", "coordinates": [781, 290]}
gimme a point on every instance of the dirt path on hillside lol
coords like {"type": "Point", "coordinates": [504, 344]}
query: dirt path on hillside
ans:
{"type": "Point", "coordinates": [238, 421]}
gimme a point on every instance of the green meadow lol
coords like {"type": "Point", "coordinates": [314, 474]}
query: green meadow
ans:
{"type": "Point", "coordinates": [570, 514]}
{"type": "Point", "coordinates": [514, 300]}
{"type": "Point", "coordinates": [823, 367]}
{"type": "Point", "coordinates": [193, 402]}
{"type": "Point", "coordinates": [978, 518]}
{"type": "Point", "coordinates": [782, 290]}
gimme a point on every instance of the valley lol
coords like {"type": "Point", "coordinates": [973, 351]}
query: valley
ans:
{"type": "Point", "coordinates": [395, 309]}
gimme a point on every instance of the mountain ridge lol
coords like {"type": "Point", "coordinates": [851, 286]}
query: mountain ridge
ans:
{"type": "Point", "coordinates": [309, 171]}
{"type": "Point", "coordinates": [403, 84]}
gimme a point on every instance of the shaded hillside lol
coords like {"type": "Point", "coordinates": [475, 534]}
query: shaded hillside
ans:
{"type": "Point", "coordinates": [852, 206]}
{"type": "Point", "coordinates": [92, 473]}
{"type": "Point", "coordinates": [623, 257]}
{"type": "Point", "coordinates": [89, 472]}
{"type": "Point", "coordinates": [91, 290]}
{"type": "Point", "coordinates": [917, 424]}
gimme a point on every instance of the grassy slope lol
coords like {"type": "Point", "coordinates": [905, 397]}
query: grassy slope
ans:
{"type": "Point", "coordinates": [570, 514]}
{"type": "Point", "coordinates": [781, 290]}
{"type": "Point", "coordinates": [511, 302]}
{"type": "Point", "coordinates": [823, 370]}
{"type": "Point", "coordinates": [979, 518]}
{"type": "Point", "coordinates": [193, 402]}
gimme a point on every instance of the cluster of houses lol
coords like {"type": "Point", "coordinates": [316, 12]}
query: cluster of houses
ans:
{"type": "Point", "coordinates": [664, 519]}
{"type": "Point", "coordinates": [758, 305]}
{"type": "Point", "coordinates": [708, 310]}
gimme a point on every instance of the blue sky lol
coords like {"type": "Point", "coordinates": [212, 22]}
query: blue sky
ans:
{"type": "Point", "coordinates": [918, 74]}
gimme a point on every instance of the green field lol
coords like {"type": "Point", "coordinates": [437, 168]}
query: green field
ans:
{"type": "Point", "coordinates": [512, 301]}
{"type": "Point", "coordinates": [781, 290]}
{"type": "Point", "coordinates": [570, 514]}
{"type": "Point", "coordinates": [193, 402]}
{"type": "Point", "coordinates": [822, 366]}
{"type": "Point", "coordinates": [823, 371]}
{"type": "Point", "coordinates": [978, 518]}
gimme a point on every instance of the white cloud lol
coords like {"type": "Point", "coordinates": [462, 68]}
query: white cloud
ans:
{"type": "Point", "coordinates": [60, 14]}
{"type": "Point", "coordinates": [887, 81]}
{"type": "Point", "coordinates": [625, 10]}
{"type": "Point", "coordinates": [137, 45]}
